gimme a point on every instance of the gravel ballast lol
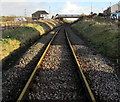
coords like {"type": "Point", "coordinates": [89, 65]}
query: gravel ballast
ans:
{"type": "Point", "coordinates": [100, 72]}
{"type": "Point", "coordinates": [15, 78]}
{"type": "Point", "coordinates": [57, 77]}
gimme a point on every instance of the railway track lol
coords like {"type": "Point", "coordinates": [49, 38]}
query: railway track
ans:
{"type": "Point", "coordinates": [57, 76]}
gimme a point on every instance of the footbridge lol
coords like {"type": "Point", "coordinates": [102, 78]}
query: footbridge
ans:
{"type": "Point", "coordinates": [67, 16]}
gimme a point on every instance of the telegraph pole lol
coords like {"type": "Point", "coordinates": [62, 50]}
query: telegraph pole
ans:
{"type": "Point", "coordinates": [110, 4]}
{"type": "Point", "coordinates": [49, 11]}
{"type": "Point", "coordinates": [91, 6]}
{"type": "Point", "coordinates": [102, 10]}
{"type": "Point", "coordinates": [110, 7]}
{"type": "Point", "coordinates": [91, 9]}
{"type": "Point", "coordinates": [25, 13]}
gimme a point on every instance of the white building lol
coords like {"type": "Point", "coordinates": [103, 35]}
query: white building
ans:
{"type": "Point", "coordinates": [115, 8]}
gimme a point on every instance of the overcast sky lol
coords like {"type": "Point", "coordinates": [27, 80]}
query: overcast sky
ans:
{"type": "Point", "coordinates": [17, 7]}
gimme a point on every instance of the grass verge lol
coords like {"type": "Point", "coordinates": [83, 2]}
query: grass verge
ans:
{"type": "Point", "coordinates": [13, 39]}
{"type": "Point", "coordinates": [103, 35]}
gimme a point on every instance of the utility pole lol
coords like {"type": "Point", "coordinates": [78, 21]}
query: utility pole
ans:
{"type": "Point", "coordinates": [110, 4]}
{"type": "Point", "coordinates": [102, 10]}
{"type": "Point", "coordinates": [49, 11]}
{"type": "Point", "coordinates": [25, 13]}
{"type": "Point", "coordinates": [110, 7]}
{"type": "Point", "coordinates": [91, 9]}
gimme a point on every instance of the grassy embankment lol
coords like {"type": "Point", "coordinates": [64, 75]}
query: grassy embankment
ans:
{"type": "Point", "coordinates": [102, 34]}
{"type": "Point", "coordinates": [13, 39]}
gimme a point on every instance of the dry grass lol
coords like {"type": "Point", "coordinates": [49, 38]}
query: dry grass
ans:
{"type": "Point", "coordinates": [37, 27]}
{"type": "Point", "coordinates": [13, 39]}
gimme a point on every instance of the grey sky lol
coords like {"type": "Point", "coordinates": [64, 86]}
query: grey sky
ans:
{"type": "Point", "coordinates": [18, 8]}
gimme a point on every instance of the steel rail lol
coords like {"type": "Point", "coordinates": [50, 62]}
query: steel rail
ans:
{"type": "Point", "coordinates": [81, 72]}
{"type": "Point", "coordinates": [20, 98]}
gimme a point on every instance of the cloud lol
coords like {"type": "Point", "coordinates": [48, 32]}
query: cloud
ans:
{"type": "Point", "coordinates": [18, 8]}
{"type": "Point", "coordinates": [13, 0]}
{"type": "Point", "coordinates": [71, 0]}
{"type": "Point", "coordinates": [72, 8]}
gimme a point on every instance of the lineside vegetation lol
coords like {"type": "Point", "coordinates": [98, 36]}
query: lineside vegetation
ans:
{"type": "Point", "coordinates": [102, 34]}
{"type": "Point", "coordinates": [13, 39]}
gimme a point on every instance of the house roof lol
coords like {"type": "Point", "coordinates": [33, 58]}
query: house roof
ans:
{"type": "Point", "coordinates": [41, 12]}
